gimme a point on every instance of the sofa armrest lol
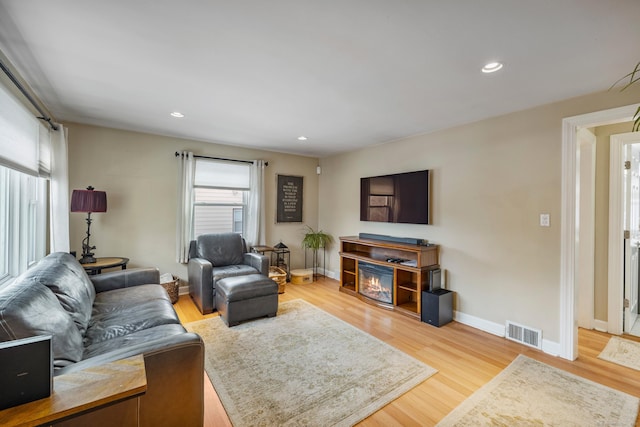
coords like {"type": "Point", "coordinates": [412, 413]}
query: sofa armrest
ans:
{"type": "Point", "coordinates": [125, 278]}
{"type": "Point", "coordinates": [174, 367]}
{"type": "Point", "coordinates": [200, 272]}
{"type": "Point", "coordinates": [258, 261]}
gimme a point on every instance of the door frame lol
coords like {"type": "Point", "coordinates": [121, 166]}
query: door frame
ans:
{"type": "Point", "coordinates": [569, 209]}
{"type": "Point", "coordinates": [585, 269]}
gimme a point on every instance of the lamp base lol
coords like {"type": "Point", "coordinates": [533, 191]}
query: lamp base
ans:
{"type": "Point", "coordinates": [87, 259]}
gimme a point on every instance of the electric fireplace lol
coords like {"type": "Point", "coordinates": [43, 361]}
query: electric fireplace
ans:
{"type": "Point", "coordinates": [375, 282]}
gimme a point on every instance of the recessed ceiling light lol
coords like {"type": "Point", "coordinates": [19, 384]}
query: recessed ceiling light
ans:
{"type": "Point", "coordinates": [492, 67]}
{"type": "Point", "coordinates": [177, 114]}
{"type": "Point", "coordinates": [302, 138]}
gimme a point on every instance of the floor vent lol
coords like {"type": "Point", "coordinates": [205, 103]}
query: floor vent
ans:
{"type": "Point", "coordinates": [524, 335]}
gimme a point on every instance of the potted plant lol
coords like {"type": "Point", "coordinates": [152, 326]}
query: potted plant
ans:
{"type": "Point", "coordinates": [633, 77]}
{"type": "Point", "coordinates": [315, 240]}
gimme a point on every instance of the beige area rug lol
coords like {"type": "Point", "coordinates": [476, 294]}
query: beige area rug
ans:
{"type": "Point", "coordinates": [532, 393]}
{"type": "Point", "coordinates": [303, 367]}
{"type": "Point", "coordinates": [623, 352]}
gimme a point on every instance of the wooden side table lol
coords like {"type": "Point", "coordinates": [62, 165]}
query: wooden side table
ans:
{"type": "Point", "coordinates": [261, 249]}
{"type": "Point", "coordinates": [110, 391]}
{"type": "Point", "coordinates": [96, 267]}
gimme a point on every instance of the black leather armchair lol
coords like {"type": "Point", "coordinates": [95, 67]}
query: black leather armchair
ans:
{"type": "Point", "coordinates": [213, 257]}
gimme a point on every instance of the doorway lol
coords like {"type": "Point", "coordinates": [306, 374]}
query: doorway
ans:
{"type": "Point", "coordinates": [570, 233]}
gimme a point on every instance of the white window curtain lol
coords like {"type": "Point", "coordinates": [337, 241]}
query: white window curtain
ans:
{"type": "Point", "coordinates": [184, 216]}
{"type": "Point", "coordinates": [59, 205]}
{"type": "Point", "coordinates": [255, 225]}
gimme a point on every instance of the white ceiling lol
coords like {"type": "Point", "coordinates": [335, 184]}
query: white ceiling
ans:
{"type": "Point", "coordinates": [344, 73]}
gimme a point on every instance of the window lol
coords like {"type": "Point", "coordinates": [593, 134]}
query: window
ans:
{"type": "Point", "coordinates": [25, 155]}
{"type": "Point", "coordinates": [237, 220]}
{"type": "Point", "coordinates": [221, 192]}
{"type": "Point", "coordinates": [23, 215]}
{"type": "Point", "coordinates": [217, 211]}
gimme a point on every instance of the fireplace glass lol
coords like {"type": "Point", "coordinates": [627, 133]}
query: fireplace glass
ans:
{"type": "Point", "coordinates": [375, 282]}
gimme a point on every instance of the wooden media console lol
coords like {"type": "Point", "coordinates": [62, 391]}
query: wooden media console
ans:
{"type": "Point", "coordinates": [409, 265]}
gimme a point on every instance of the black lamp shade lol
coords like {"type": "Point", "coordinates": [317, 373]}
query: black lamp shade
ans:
{"type": "Point", "coordinates": [88, 201]}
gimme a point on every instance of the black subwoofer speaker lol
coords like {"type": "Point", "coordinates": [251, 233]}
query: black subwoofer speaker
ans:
{"type": "Point", "coordinates": [26, 370]}
{"type": "Point", "coordinates": [437, 307]}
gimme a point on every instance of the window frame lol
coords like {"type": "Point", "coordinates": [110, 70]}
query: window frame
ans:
{"type": "Point", "coordinates": [23, 221]}
{"type": "Point", "coordinates": [234, 206]}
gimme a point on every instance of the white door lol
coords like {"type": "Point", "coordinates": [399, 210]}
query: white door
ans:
{"type": "Point", "coordinates": [624, 218]}
{"type": "Point", "coordinates": [631, 194]}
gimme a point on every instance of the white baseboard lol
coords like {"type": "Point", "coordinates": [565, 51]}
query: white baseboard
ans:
{"type": "Point", "coordinates": [600, 325]}
{"type": "Point", "coordinates": [183, 290]}
{"type": "Point", "coordinates": [328, 273]}
{"type": "Point", "coordinates": [478, 323]}
{"type": "Point", "coordinates": [549, 347]}
{"type": "Point", "coordinates": [331, 274]}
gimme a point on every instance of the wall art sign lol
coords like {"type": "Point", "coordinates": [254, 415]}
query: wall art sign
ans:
{"type": "Point", "coordinates": [289, 203]}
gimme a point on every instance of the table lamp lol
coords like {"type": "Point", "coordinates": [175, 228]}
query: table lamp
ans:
{"type": "Point", "coordinates": [88, 201]}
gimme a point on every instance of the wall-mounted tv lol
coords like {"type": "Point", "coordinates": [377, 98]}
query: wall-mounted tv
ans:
{"type": "Point", "coordinates": [400, 198]}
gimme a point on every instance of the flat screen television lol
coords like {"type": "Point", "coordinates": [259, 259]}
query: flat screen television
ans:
{"type": "Point", "coordinates": [399, 198]}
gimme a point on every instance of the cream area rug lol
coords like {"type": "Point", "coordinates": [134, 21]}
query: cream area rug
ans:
{"type": "Point", "coordinates": [532, 393]}
{"type": "Point", "coordinates": [303, 367]}
{"type": "Point", "coordinates": [623, 352]}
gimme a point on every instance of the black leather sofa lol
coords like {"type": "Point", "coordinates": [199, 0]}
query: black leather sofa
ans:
{"type": "Point", "coordinates": [103, 318]}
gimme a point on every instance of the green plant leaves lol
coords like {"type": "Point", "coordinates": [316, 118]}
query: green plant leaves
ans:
{"type": "Point", "coordinates": [316, 239]}
{"type": "Point", "coordinates": [633, 77]}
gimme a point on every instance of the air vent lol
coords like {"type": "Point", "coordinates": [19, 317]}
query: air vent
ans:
{"type": "Point", "coordinates": [524, 335]}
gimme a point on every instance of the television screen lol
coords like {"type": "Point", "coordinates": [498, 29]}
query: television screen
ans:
{"type": "Point", "coordinates": [401, 198]}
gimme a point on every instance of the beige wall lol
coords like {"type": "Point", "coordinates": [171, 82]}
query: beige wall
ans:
{"type": "Point", "coordinates": [139, 173]}
{"type": "Point", "coordinates": [601, 270]}
{"type": "Point", "coordinates": [492, 180]}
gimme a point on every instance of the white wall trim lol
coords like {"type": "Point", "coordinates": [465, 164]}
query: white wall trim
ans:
{"type": "Point", "coordinates": [551, 347]}
{"type": "Point", "coordinates": [568, 325]}
{"type": "Point", "coordinates": [499, 329]}
{"type": "Point", "coordinates": [585, 266]}
{"type": "Point", "coordinates": [600, 325]}
{"type": "Point", "coordinates": [478, 323]}
{"type": "Point", "coordinates": [328, 273]}
{"type": "Point", "coordinates": [568, 234]}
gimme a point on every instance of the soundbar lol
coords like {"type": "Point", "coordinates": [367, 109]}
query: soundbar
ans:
{"type": "Point", "coordinates": [407, 240]}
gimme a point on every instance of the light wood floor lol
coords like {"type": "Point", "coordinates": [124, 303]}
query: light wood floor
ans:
{"type": "Point", "coordinates": [466, 358]}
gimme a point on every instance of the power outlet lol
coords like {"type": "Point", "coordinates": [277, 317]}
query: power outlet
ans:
{"type": "Point", "coordinates": [544, 220]}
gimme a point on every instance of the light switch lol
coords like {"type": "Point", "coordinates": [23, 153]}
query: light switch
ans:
{"type": "Point", "coordinates": [544, 220]}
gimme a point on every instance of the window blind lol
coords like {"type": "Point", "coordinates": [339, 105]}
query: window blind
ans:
{"type": "Point", "coordinates": [220, 174]}
{"type": "Point", "coordinates": [24, 141]}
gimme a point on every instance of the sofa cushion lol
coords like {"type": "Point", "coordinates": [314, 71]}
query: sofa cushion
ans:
{"type": "Point", "coordinates": [221, 249]}
{"type": "Point", "coordinates": [121, 312]}
{"type": "Point", "coordinates": [141, 336]}
{"type": "Point", "coordinates": [28, 308]}
{"type": "Point", "coordinates": [61, 273]}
